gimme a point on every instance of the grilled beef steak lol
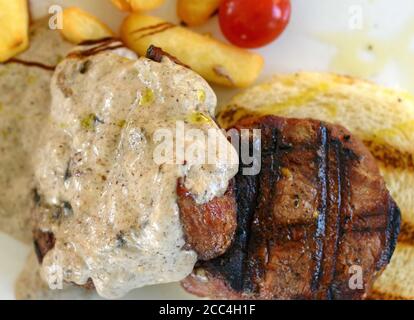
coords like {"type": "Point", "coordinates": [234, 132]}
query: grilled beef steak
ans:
{"type": "Point", "coordinates": [317, 219]}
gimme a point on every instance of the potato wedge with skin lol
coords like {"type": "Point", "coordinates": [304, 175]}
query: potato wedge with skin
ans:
{"type": "Point", "coordinates": [79, 26]}
{"type": "Point", "coordinates": [196, 12]}
{"type": "Point", "coordinates": [216, 61]}
{"type": "Point", "coordinates": [137, 5]}
{"type": "Point", "coordinates": [14, 28]}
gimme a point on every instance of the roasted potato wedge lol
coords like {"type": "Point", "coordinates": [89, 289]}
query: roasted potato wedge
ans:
{"type": "Point", "coordinates": [14, 26]}
{"type": "Point", "coordinates": [137, 5]}
{"type": "Point", "coordinates": [216, 61]}
{"type": "Point", "coordinates": [79, 26]}
{"type": "Point", "coordinates": [122, 5]}
{"type": "Point", "coordinates": [196, 12]}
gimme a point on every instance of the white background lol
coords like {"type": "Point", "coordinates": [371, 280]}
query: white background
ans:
{"type": "Point", "coordinates": [299, 48]}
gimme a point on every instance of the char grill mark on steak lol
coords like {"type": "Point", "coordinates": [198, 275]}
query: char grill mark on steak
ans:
{"type": "Point", "coordinates": [343, 200]}
{"type": "Point", "coordinates": [262, 226]}
{"type": "Point", "coordinates": [391, 233]}
{"type": "Point", "coordinates": [233, 263]}
{"type": "Point", "coordinates": [322, 161]}
{"type": "Point", "coordinates": [333, 219]}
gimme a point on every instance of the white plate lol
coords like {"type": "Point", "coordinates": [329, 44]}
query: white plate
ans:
{"type": "Point", "coordinates": [300, 48]}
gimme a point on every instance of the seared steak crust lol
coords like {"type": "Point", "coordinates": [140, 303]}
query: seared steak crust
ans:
{"type": "Point", "coordinates": [208, 228]}
{"type": "Point", "coordinates": [43, 243]}
{"type": "Point", "coordinates": [317, 214]}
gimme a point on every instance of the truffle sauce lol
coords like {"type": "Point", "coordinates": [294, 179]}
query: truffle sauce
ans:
{"type": "Point", "coordinates": [24, 108]}
{"type": "Point", "coordinates": [119, 222]}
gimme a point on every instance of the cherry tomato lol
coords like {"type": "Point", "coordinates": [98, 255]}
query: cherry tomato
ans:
{"type": "Point", "coordinates": [253, 23]}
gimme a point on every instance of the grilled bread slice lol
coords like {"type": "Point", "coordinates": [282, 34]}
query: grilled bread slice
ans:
{"type": "Point", "coordinates": [381, 117]}
{"type": "Point", "coordinates": [397, 282]}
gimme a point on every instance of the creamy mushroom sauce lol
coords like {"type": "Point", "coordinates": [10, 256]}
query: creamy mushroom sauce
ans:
{"type": "Point", "coordinates": [24, 108]}
{"type": "Point", "coordinates": [119, 221]}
